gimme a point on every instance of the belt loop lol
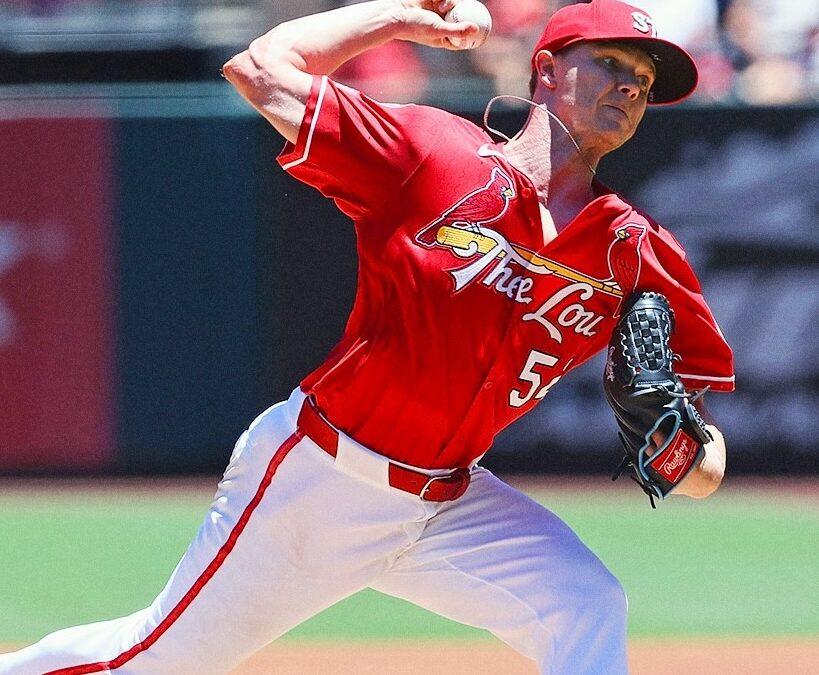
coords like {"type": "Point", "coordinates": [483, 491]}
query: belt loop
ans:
{"type": "Point", "coordinates": [423, 494]}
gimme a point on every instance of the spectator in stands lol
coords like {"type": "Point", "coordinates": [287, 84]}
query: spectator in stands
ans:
{"type": "Point", "coordinates": [773, 49]}
{"type": "Point", "coordinates": [756, 51]}
{"type": "Point", "coordinates": [694, 24]}
{"type": "Point", "coordinates": [516, 27]}
{"type": "Point", "coordinates": [691, 24]}
{"type": "Point", "coordinates": [393, 72]}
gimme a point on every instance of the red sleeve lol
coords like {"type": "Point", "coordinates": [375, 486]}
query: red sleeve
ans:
{"type": "Point", "coordinates": [706, 359]}
{"type": "Point", "coordinates": [358, 151]}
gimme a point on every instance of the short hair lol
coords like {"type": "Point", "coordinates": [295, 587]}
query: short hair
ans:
{"type": "Point", "coordinates": [533, 83]}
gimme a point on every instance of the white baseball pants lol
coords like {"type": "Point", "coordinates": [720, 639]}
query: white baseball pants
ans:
{"type": "Point", "coordinates": [290, 532]}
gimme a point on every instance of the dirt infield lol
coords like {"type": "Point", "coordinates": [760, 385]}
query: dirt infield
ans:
{"type": "Point", "coordinates": [646, 657]}
{"type": "Point", "coordinates": [655, 657]}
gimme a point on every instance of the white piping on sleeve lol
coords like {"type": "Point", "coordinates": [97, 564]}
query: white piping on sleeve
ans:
{"type": "Point", "coordinates": [313, 123]}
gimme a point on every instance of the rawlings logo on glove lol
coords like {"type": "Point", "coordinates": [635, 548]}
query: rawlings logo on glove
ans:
{"type": "Point", "coordinates": [662, 433]}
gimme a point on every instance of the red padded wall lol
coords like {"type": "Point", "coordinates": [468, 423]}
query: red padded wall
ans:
{"type": "Point", "coordinates": [56, 308]}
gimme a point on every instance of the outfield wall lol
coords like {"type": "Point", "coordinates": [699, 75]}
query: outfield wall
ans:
{"type": "Point", "coordinates": [162, 281]}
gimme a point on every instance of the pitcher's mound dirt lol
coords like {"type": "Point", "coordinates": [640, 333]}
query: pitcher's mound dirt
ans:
{"type": "Point", "coordinates": [647, 657]}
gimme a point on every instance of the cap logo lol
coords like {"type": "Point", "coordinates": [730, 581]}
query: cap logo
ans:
{"type": "Point", "coordinates": [643, 23]}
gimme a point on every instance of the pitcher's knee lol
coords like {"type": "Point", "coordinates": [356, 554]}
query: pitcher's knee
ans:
{"type": "Point", "coordinates": [618, 601]}
{"type": "Point", "coordinates": [606, 599]}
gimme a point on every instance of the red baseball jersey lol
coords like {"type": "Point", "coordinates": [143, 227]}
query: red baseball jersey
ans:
{"type": "Point", "coordinates": [463, 318]}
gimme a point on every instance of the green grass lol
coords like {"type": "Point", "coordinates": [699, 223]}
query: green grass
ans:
{"type": "Point", "coordinates": [736, 564]}
{"type": "Point", "coordinates": [741, 563]}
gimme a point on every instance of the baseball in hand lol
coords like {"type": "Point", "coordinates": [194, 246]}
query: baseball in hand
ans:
{"type": "Point", "coordinates": [470, 11]}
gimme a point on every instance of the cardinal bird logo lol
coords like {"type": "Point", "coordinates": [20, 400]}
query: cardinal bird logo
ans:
{"type": "Point", "coordinates": [465, 230]}
{"type": "Point", "coordinates": [480, 207]}
{"type": "Point", "coordinates": [624, 257]}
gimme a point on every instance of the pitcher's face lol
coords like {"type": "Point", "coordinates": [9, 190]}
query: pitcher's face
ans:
{"type": "Point", "coordinates": [601, 91]}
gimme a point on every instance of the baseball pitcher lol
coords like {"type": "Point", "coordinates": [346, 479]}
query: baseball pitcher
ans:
{"type": "Point", "coordinates": [487, 271]}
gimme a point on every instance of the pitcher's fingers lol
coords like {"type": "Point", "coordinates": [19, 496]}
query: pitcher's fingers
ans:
{"type": "Point", "coordinates": [444, 6]}
{"type": "Point", "coordinates": [447, 29]}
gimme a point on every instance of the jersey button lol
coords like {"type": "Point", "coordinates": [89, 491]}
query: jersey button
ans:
{"type": "Point", "coordinates": [488, 385]}
{"type": "Point", "coordinates": [526, 193]}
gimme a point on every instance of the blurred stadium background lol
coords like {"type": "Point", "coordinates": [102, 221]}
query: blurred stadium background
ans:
{"type": "Point", "coordinates": [162, 282]}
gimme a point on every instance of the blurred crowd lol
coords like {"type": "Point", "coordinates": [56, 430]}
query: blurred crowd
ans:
{"type": "Point", "coordinates": [759, 52]}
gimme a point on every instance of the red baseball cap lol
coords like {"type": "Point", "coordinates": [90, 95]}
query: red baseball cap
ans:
{"type": "Point", "coordinates": [610, 21]}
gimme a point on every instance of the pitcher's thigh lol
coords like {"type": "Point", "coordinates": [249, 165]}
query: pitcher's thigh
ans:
{"type": "Point", "coordinates": [497, 560]}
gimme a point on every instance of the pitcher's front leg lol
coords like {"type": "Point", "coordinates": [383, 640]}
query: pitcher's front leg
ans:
{"type": "Point", "coordinates": [497, 560]}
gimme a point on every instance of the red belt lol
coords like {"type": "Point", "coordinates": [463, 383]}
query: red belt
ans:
{"type": "Point", "coordinates": [443, 488]}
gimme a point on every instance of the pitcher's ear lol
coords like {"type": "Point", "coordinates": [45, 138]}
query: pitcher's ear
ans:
{"type": "Point", "coordinates": [545, 67]}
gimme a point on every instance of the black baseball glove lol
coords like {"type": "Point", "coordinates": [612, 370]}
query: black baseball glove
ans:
{"type": "Point", "coordinates": [662, 433]}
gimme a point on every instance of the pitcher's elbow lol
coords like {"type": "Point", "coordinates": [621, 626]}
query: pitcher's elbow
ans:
{"type": "Point", "coordinates": [238, 68]}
